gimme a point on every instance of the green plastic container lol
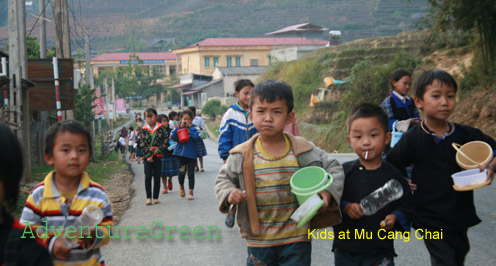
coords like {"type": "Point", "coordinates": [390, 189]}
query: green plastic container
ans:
{"type": "Point", "coordinates": [307, 182]}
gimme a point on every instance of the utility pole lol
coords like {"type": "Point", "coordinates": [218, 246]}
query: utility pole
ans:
{"type": "Point", "coordinates": [87, 55]}
{"type": "Point", "coordinates": [62, 31]}
{"type": "Point", "coordinates": [19, 103]}
{"type": "Point", "coordinates": [43, 48]}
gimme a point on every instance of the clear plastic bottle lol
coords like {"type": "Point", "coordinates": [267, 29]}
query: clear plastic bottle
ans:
{"type": "Point", "coordinates": [381, 197]}
{"type": "Point", "coordinates": [91, 216]}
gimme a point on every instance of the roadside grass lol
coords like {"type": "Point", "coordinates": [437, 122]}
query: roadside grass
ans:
{"type": "Point", "coordinates": [213, 127]}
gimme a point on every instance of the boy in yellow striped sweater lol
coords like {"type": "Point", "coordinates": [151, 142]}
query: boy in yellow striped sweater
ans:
{"type": "Point", "coordinates": [60, 199]}
{"type": "Point", "coordinates": [262, 167]}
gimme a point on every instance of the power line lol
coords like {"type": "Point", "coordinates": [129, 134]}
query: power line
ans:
{"type": "Point", "coordinates": [38, 17]}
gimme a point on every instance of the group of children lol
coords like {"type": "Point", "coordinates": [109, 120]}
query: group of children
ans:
{"type": "Point", "coordinates": [256, 176]}
{"type": "Point", "coordinates": [160, 162]}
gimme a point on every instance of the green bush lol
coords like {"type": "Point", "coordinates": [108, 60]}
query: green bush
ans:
{"type": "Point", "coordinates": [213, 108]}
{"type": "Point", "coordinates": [371, 81]}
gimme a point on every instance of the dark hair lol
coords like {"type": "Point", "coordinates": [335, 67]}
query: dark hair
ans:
{"type": "Point", "coordinates": [161, 117]}
{"type": "Point", "coordinates": [180, 114]}
{"type": "Point", "coordinates": [172, 115]}
{"type": "Point", "coordinates": [193, 109]}
{"type": "Point", "coordinates": [240, 84]}
{"type": "Point", "coordinates": [427, 78]}
{"type": "Point", "coordinates": [151, 111]}
{"type": "Point", "coordinates": [368, 110]}
{"type": "Point", "coordinates": [71, 126]}
{"type": "Point", "coordinates": [131, 128]}
{"type": "Point", "coordinates": [271, 91]}
{"type": "Point", "coordinates": [397, 75]}
{"type": "Point", "coordinates": [187, 112]}
{"type": "Point", "coordinates": [11, 166]}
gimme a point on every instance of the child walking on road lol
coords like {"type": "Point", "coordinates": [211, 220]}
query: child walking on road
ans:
{"type": "Point", "coordinates": [186, 152]}
{"type": "Point", "coordinates": [60, 199]}
{"type": "Point", "coordinates": [202, 150]}
{"type": "Point", "coordinates": [262, 166]}
{"type": "Point", "coordinates": [153, 143]}
{"type": "Point", "coordinates": [170, 164]}
{"type": "Point", "coordinates": [429, 147]}
{"type": "Point", "coordinates": [368, 135]}
{"type": "Point", "coordinates": [236, 127]}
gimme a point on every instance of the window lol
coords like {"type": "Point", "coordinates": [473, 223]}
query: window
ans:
{"type": "Point", "coordinates": [253, 62]}
{"type": "Point", "coordinates": [216, 61]}
{"type": "Point", "coordinates": [229, 62]}
{"type": "Point", "coordinates": [238, 61]}
{"type": "Point", "coordinates": [207, 62]}
{"type": "Point", "coordinates": [270, 59]}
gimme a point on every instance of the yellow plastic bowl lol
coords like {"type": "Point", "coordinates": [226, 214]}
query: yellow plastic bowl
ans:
{"type": "Point", "coordinates": [473, 154]}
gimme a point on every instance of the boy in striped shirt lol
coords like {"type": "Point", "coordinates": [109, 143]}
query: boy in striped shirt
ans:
{"type": "Point", "coordinates": [59, 200]}
{"type": "Point", "coordinates": [256, 177]}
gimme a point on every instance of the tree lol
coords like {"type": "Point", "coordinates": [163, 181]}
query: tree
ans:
{"type": "Point", "coordinates": [469, 15]}
{"type": "Point", "coordinates": [83, 105]}
{"type": "Point", "coordinates": [32, 46]}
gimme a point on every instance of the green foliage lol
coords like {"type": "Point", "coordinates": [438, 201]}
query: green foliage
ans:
{"type": "Point", "coordinates": [83, 105]}
{"type": "Point", "coordinates": [213, 108]}
{"type": "Point", "coordinates": [371, 81]}
{"type": "Point", "coordinates": [32, 47]}
{"type": "Point", "coordinates": [474, 77]}
{"type": "Point", "coordinates": [467, 15]}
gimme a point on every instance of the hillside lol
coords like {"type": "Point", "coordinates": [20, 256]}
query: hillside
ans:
{"type": "Point", "coordinates": [114, 23]}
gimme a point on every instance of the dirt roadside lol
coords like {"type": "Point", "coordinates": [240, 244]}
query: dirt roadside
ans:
{"type": "Point", "coordinates": [119, 191]}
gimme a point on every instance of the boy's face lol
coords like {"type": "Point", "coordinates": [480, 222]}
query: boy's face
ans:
{"type": "Point", "coordinates": [368, 135]}
{"type": "Point", "coordinates": [71, 155]}
{"type": "Point", "coordinates": [270, 118]}
{"type": "Point", "coordinates": [439, 101]}
{"type": "Point", "coordinates": [244, 96]}
{"type": "Point", "coordinates": [150, 119]}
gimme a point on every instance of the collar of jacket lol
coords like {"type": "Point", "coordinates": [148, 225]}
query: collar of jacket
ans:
{"type": "Point", "coordinates": [298, 144]}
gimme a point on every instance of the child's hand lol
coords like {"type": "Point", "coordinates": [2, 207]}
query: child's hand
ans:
{"type": "Point", "coordinates": [326, 196]}
{"type": "Point", "coordinates": [60, 250]}
{"type": "Point", "coordinates": [491, 169]}
{"type": "Point", "coordinates": [150, 159]}
{"type": "Point", "coordinates": [390, 221]}
{"type": "Point", "coordinates": [353, 210]}
{"type": "Point", "coordinates": [415, 121]}
{"type": "Point", "coordinates": [236, 197]}
{"type": "Point", "coordinates": [413, 186]}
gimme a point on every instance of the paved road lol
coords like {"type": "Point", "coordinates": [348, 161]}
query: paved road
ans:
{"type": "Point", "coordinates": [229, 248]}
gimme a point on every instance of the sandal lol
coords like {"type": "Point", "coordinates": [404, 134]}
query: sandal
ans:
{"type": "Point", "coordinates": [169, 183]}
{"type": "Point", "coordinates": [202, 169]}
{"type": "Point", "coordinates": [148, 201]}
{"type": "Point", "coordinates": [190, 195]}
{"type": "Point", "coordinates": [164, 191]}
{"type": "Point", "coordinates": [181, 191]}
{"type": "Point", "coordinates": [156, 201]}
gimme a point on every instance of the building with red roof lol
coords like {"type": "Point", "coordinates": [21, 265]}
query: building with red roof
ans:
{"type": "Point", "coordinates": [203, 57]}
{"type": "Point", "coordinates": [163, 62]}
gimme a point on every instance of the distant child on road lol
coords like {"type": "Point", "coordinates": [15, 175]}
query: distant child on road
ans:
{"type": "Point", "coordinates": [236, 127]}
{"type": "Point", "coordinates": [398, 105]}
{"type": "Point", "coordinates": [202, 150]}
{"type": "Point", "coordinates": [368, 135]}
{"type": "Point", "coordinates": [59, 200]}
{"type": "Point", "coordinates": [262, 167]}
{"type": "Point", "coordinates": [428, 146]}
{"type": "Point", "coordinates": [170, 164]}
{"type": "Point", "coordinates": [187, 153]}
{"type": "Point", "coordinates": [152, 143]}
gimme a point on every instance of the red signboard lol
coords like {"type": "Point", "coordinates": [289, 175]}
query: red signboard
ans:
{"type": "Point", "coordinates": [98, 104]}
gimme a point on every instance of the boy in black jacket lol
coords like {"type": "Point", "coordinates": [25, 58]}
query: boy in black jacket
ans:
{"type": "Point", "coordinates": [438, 207]}
{"type": "Point", "coordinates": [367, 242]}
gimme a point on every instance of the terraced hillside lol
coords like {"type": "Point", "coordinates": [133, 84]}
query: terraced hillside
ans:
{"type": "Point", "coordinates": [112, 23]}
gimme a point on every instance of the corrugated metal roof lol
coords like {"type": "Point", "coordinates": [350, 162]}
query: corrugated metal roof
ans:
{"type": "Point", "coordinates": [180, 85]}
{"type": "Point", "coordinates": [253, 70]}
{"type": "Point", "coordinates": [142, 56]}
{"type": "Point", "coordinates": [299, 27]}
{"type": "Point", "coordinates": [263, 41]}
{"type": "Point", "coordinates": [201, 87]}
